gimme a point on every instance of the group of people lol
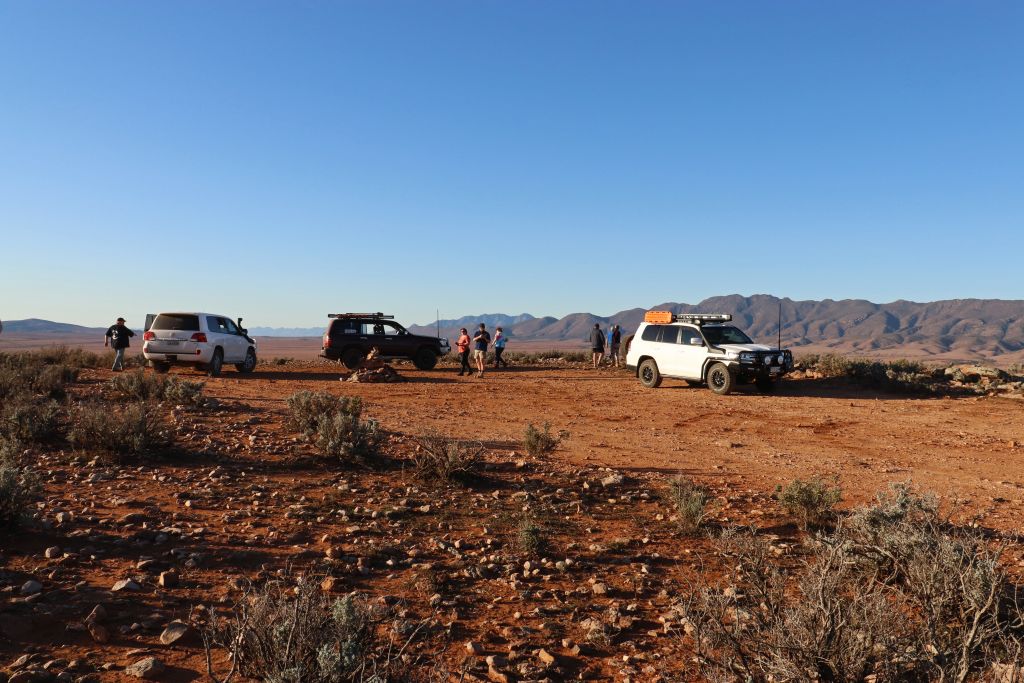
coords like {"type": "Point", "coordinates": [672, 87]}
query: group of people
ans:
{"type": "Point", "coordinates": [599, 341]}
{"type": "Point", "coordinates": [479, 343]}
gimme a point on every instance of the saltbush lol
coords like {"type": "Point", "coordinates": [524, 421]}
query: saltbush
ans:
{"type": "Point", "coordinates": [537, 442]}
{"type": "Point", "coordinates": [116, 430]}
{"type": "Point", "coordinates": [811, 501]}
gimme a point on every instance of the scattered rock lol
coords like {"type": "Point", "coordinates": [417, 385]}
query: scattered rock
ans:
{"type": "Point", "coordinates": [53, 552]}
{"type": "Point", "coordinates": [168, 579]}
{"type": "Point", "coordinates": [31, 587]}
{"type": "Point", "coordinates": [175, 631]}
{"type": "Point", "coordinates": [126, 585]}
{"type": "Point", "coordinates": [149, 668]}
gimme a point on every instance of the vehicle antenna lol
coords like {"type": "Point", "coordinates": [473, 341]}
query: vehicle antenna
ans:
{"type": "Point", "coordinates": [780, 324]}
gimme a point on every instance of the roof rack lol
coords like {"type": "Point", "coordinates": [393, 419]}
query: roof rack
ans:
{"type": "Point", "coordinates": [371, 316]}
{"type": "Point", "coordinates": [695, 318]}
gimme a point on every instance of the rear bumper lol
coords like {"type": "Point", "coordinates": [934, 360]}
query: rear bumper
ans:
{"type": "Point", "coordinates": [195, 354]}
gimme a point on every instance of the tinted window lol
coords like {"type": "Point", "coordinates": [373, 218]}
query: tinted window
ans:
{"type": "Point", "coordinates": [345, 327]}
{"type": "Point", "coordinates": [230, 326]}
{"type": "Point", "coordinates": [669, 334]}
{"type": "Point", "coordinates": [215, 325]}
{"type": "Point", "coordinates": [725, 334]}
{"type": "Point", "coordinates": [175, 321]}
{"type": "Point", "coordinates": [651, 332]}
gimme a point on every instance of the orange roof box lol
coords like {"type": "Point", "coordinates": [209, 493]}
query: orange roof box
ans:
{"type": "Point", "coordinates": [658, 317]}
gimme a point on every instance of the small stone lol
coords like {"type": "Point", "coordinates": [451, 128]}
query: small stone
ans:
{"type": "Point", "coordinates": [98, 632]}
{"type": "Point", "coordinates": [53, 552]}
{"type": "Point", "coordinates": [168, 579]}
{"type": "Point", "coordinates": [175, 631]}
{"type": "Point", "coordinates": [126, 585]}
{"type": "Point", "coordinates": [329, 584]}
{"type": "Point", "coordinates": [473, 648]}
{"type": "Point", "coordinates": [546, 658]}
{"type": "Point", "coordinates": [64, 517]}
{"type": "Point", "coordinates": [149, 668]}
{"type": "Point", "coordinates": [31, 587]}
{"type": "Point", "coordinates": [599, 589]}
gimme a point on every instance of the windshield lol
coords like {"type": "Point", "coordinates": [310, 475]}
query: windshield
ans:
{"type": "Point", "coordinates": [724, 334]}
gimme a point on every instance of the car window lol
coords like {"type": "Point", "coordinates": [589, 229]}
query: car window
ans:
{"type": "Point", "coordinates": [689, 334]}
{"type": "Point", "coordinates": [215, 325]}
{"type": "Point", "coordinates": [230, 326]}
{"type": "Point", "coordinates": [669, 334]}
{"type": "Point", "coordinates": [391, 329]}
{"type": "Point", "coordinates": [651, 332]}
{"type": "Point", "coordinates": [346, 327]}
{"type": "Point", "coordinates": [725, 334]}
{"type": "Point", "coordinates": [176, 321]}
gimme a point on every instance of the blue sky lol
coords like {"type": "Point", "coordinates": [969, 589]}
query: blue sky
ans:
{"type": "Point", "coordinates": [280, 161]}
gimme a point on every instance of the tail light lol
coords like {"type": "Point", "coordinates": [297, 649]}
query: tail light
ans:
{"type": "Point", "coordinates": [149, 336]}
{"type": "Point", "coordinates": [327, 340]}
{"type": "Point", "coordinates": [199, 337]}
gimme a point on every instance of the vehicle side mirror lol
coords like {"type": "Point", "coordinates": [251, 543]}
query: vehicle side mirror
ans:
{"type": "Point", "coordinates": [696, 341]}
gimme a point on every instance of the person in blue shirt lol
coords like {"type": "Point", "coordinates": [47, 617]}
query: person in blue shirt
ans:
{"type": "Point", "coordinates": [499, 348]}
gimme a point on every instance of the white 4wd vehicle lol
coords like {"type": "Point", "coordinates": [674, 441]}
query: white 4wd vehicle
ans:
{"type": "Point", "coordinates": [700, 348]}
{"type": "Point", "coordinates": [204, 340]}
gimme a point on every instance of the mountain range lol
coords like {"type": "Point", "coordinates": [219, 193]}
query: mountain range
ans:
{"type": "Point", "coordinates": [956, 329]}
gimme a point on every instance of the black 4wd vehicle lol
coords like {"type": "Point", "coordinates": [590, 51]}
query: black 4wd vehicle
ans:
{"type": "Point", "coordinates": [350, 336]}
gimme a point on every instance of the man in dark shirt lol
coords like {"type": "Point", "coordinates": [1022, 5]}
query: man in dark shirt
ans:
{"type": "Point", "coordinates": [117, 337]}
{"type": "Point", "coordinates": [480, 341]}
{"type": "Point", "coordinates": [613, 352]}
{"type": "Point", "coordinates": [597, 344]}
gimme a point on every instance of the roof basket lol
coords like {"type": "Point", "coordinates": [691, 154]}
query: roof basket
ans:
{"type": "Point", "coordinates": [362, 316]}
{"type": "Point", "coordinates": [694, 318]}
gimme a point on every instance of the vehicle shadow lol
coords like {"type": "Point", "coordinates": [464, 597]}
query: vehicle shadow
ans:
{"type": "Point", "coordinates": [288, 376]}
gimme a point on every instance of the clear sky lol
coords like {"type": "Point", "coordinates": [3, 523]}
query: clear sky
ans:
{"type": "Point", "coordinates": [283, 160]}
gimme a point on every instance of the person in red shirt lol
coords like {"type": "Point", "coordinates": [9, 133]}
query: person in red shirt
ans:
{"type": "Point", "coordinates": [462, 344]}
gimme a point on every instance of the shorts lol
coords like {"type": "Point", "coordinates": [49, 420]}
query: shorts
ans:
{"type": "Point", "coordinates": [479, 353]}
{"type": "Point", "coordinates": [615, 349]}
{"type": "Point", "coordinates": [597, 349]}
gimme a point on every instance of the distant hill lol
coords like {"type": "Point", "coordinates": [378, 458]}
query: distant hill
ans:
{"type": "Point", "coordinates": [960, 328]}
{"type": "Point", "coordinates": [37, 326]}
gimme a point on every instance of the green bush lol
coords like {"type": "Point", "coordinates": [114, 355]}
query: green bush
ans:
{"type": "Point", "coordinates": [531, 537]}
{"type": "Point", "coordinates": [25, 375]}
{"type": "Point", "coordinates": [811, 501]}
{"type": "Point", "coordinates": [116, 430]}
{"type": "Point", "coordinates": [690, 501]}
{"type": "Point", "coordinates": [19, 487]}
{"type": "Point", "coordinates": [537, 442]}
{"type": "Point", "coordinates": [307, 408]}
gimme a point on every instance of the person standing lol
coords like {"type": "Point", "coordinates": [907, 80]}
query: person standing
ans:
{"type": "Point", "coordinates": [613, 347]}
{"type": "Point", "coordinates": [597, 344]}
{"type": "Point", "coordinates": [482, 340]}
{"type": "Point", "coordinates": [462, 344]}
{"type": "Point", "coordinates": [499, 348]}
{"type": "Point", "coordinates": [117, 337]}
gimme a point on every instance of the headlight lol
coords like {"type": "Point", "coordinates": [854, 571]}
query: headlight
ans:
{"type": "Point", "coordinates": [767, 360]}
{"type": "Point", "coordinates": [732, 356]}
{"type": "Point", "coordinates": [747, 357]}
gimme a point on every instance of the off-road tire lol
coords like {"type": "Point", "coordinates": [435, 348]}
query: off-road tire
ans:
{"type": "Point", "coordinates": [249, 364]}
{"type": "Point", "coordinates": [216, 363]}
{"type": "Point", "coordinates": [765, 385]}
{"type": "Point", "coordinates": [351, 358]}
{"type": "Point", "coordinates": [624, 348]}
{"type": "Point", "coordinates": [649, 375]}
{"type": "Point", "coordinates": [720, 379]}
{"type": "Point", "coordinates": [160, 367]}
{"type": "Point", "coordinates": [425, 359]}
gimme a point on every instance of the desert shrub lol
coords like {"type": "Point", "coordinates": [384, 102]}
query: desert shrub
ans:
{"type": "Point", "coordinates": [307, 408]}
{"type": "Point", "coordinates": [19, 487]}
{"type": "Point", "coordinates": [30, 421]}
{"type": "Point", "coordinates": [690, 501]}
{"type": "Point", "coordinates": [282, 361]}
{"type": "Point", "coordinates": [137, 385]}
{"type": "Point", "coordinates": [183, 392]}
{"type": "Point", "coordinates": [334, 424]}
{"type": "Point", "coordinates": [539, 442]}
{"type": "Point", "coordinates": [282, 633]}
{"type": "Point", "coordinates": [116, 430]}
{"type": "Point", "coordinates": [531, 538]}
{"type": "Point", "coordinates": [895, 594]}
{"type": "Point", "coordinates": [832, 365]}
{"type": "Point", "coordinates": [442, 459]}
{"type": "Point", "coordinates": [811, 501]}
{"type": "Point", "coordinates": [25, 375]}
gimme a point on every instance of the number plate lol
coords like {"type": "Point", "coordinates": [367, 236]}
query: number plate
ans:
{"type": "Point", "coordinates": [170, 342]}
{"type": "Point", "coordinates": [775, 371]}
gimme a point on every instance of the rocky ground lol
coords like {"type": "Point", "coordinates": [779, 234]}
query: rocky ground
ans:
{"type": "Point", "coordinates": [564, 566]}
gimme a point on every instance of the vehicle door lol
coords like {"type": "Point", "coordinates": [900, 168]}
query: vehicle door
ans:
{"type": "Point", "coordinates": [691, 354]}
{"type": "Point", "coordinates": [239, 344]}
{"type": "Point", "coordinates": [667, 353]}
{"type": "Point", "coordinates": [397, 341]}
